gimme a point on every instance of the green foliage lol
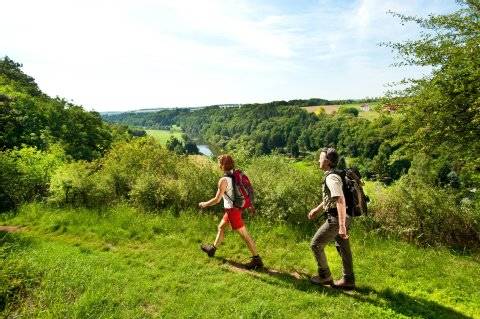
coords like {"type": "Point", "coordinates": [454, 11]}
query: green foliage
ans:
{"type": "Point", "coordinates": [425, 214]}
{"type": "Point", "coordinates": [81, 184]}
{"type": "Point", "coordinates": [25, 174]}
{"type": "Point", "coordinates": [191, 148]}
{"type": "Point", "coordinates": [11, 70]}
{"type": "Point", "coordinates": [122, 263]}
{"type": "Point", "coordinates": [284, 128]}
{"type": "Point", "coordinates": [16, 276]}
{"type": "Point", "coordinates": [349, 111]}
{"type": "Point", "coordinates": [142, 172]}
{"type": "Point", "coordinates": [186, 147]}
{"type": "Point", "coordinates": [162, 120]}
{"type": "Point", "coordinates": [437, 201]}
{"type": "Point", "coordinates": [29, 117]}
{"type": "Point", "coordinates": [175, 145]}
{"type": "Point", "coordinates": [442, 111]}
{"type": "Point", "coordinates": [152, 178]}
{"type": "Point", "coordinates": [284, 192]}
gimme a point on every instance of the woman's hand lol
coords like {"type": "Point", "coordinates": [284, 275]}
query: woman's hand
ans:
{"type": "Point", "coordinates": [202, 204]}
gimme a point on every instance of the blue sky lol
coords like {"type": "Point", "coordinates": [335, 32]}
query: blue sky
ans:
{"type": "Point", "coordinates": [124, 55]}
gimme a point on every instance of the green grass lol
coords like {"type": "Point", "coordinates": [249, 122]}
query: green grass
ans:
{"type": "Point", "coordinates": [120, 263]}
{"type": "Point", "coordinates": [163, 135]}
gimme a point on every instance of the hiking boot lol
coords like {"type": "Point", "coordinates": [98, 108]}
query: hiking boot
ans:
{"type": "Point", "coordinates": [344, 284]}
{"type": "Point", "coordinates": [317, 280]}
{"type": "Point", "coordinates": [209, 249]}
{"type": "Point", "coordinates": [255, 263]}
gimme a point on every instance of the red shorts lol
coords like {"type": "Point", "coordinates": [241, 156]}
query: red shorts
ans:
{"type": "Point", "coordinates": [234, 217]}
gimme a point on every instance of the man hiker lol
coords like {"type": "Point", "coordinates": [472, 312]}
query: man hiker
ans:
{"type": "Point", "coordinates": [336, 226]}
{"type": "Point", "coordinates": [233, 214]}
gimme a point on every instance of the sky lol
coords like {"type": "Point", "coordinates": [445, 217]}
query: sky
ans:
{"type": "Point", "coordinates": [127, 55]}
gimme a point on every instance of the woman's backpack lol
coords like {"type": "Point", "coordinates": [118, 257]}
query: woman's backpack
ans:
{"type": "Point", "coordinates": [243, 195]}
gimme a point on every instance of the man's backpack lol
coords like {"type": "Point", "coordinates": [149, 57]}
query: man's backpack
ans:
{"type": "Point", "coordinates": [243, 195]}
{"type": "Point", "coordinates": [355, 198]}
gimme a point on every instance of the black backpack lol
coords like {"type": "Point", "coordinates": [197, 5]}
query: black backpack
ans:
{"type": "Point", "coordinates": [355, 198]}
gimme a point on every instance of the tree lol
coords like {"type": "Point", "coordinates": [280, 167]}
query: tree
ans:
{"type": "Point", "coordinates": [12, 70]}
{"type": "Point", "coordinates": [442, 110]}
{"type": "Point", "coordinates": [348, 111]}
{"type": "Point", "coordinates": [175, 145]}
{"type": "Point", "coordinates": [191, 147]}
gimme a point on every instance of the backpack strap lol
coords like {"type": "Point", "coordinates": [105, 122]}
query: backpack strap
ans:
{"type": "Point", "coordinates": [341, 173]}
{"type": "Point", "coordinates": [338, 172]}
{"type": "Point", "coordinates": [233, 187]}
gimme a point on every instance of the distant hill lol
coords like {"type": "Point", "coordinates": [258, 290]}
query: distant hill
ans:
{"type": "Point", "coordinates": [308, 103]}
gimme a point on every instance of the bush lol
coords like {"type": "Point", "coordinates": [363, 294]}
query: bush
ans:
{"type": "Point", "coordinates": [429, 215]}
{"type": "Point", "coordinates": [151, 177]}
{"type": "Point", "coordinates": [81, 184]}
{"type": "Point", "coordinates": [141, 172]}
{"type": "Point", "coordinates": [283, 192]}
{"type": "Point", "coordinates": [25, 174]}
{"type": "Point", "coordinates": [348, 110]}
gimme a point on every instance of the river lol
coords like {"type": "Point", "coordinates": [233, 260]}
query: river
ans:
{"type": "Point", "coordinates": [205, 150]}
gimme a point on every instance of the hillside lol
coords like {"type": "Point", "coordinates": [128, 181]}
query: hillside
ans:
{"type": "Point", "coordinates": [119, 263]}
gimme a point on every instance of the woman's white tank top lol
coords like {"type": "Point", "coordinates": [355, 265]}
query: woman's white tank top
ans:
{"type": "Point", "coordinates": [227, 200]}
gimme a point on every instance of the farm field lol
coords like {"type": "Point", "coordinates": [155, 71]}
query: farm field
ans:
{"type": "Point", "coordinates": [163, 135]}
{"type": "Point", "coordinates": [331, 109]}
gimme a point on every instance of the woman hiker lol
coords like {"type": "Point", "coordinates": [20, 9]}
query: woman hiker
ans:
{"type": "Point", "coordinates": [232, 216]}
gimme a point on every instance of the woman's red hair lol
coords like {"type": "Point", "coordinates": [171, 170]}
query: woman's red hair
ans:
{"type": "Point", "coordinates": [226, 162]}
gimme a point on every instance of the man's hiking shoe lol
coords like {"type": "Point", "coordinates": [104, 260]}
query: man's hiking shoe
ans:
{"type": "Point", "coordinates": [209, 249]}
{"type": "Point", "coordinates": [317, 280]}
{"type": "Point", "coordinates": [255, 263]}
{"type": "Point", "coordinates": [344, 284]}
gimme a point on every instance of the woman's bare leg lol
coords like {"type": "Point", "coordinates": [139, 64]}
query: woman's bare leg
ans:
{"type": "Point", "coordinates": [248, 239]}
{"type": "Point", "coordinates": [220, 233]}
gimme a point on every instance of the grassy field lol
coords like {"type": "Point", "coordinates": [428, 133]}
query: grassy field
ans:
{"type": "Point", "coordinates": [163, 135]}
{"type": "Point", "coordinates": [119, 263]}
{"type": "Point", "coordinates": [330, 109]}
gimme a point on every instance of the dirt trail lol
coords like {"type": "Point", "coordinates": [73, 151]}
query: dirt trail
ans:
{"type": "Point", "coordinates": [9, 229]}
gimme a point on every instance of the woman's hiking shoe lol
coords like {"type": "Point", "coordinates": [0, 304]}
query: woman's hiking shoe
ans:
{"type": "Point", "coordinates": [255, 263]}
{"type": "Point", "coordinates": [344, 284]}
{"type": "Point", "coordinates": [317, 280]}
{"type": "Point", "coordinates": [209, 249]}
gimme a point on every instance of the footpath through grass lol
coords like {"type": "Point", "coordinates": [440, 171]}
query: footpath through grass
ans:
{"type": "Point", "coordinates": [119, 263]}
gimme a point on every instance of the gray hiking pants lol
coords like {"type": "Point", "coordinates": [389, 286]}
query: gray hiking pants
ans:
{"type": "Point", "coordinates": [325, 234]}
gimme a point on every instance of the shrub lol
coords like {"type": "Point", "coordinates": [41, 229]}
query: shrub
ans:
{"type": "Point", "coordinates": [429, 215]}
{"type": "Point", "coordinates": [25, 174]}
{"type": "Point", "coordinates": [140, 171]}
{"type": "Point", "coordinates": [283, 192]}
{"type": "Point", "coordinates": [349, 110]}
{"type": "Point", "coordinates": [81, 184]}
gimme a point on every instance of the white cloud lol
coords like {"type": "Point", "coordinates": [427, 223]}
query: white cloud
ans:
{"type": "Point", "coordinates": [118, 55]}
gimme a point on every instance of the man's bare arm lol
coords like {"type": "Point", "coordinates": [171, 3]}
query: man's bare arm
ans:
{"type": "Point", "coordinates": [342, 216]}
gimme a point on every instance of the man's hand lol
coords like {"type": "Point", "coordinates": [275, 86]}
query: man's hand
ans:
{"type": "Point", "coordinates": [342, 231]}
{"type": "Point", "coordinates": [202, 205]}
{"type": "Point", "coordinates": [312, 214]}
